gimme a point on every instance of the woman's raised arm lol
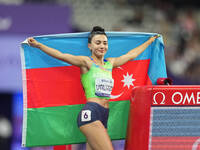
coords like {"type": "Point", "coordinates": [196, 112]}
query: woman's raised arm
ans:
{"type": "Point", "coordinates": [71, 59]}
{"type": "Point", "coordinates": [133, 53]}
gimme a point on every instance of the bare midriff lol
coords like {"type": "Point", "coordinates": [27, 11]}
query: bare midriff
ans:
{"type": "Point", "coordinates": [100, 101]}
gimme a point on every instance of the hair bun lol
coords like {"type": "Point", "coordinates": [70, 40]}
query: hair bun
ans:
{"type": "Point", "coordinates": [98, 29]}
{"type": "Point", "coordinates": [95, 31]}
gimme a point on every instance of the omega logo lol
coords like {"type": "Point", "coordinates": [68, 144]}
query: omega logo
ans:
{"type": "Point", "coordinates": [177, 98]}
{"type": "Point", "coordinates": [155, 99]}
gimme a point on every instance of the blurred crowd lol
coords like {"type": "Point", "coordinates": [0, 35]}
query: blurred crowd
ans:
{"type": "Point", "coordinates": [177, 21]}
{"type": "Point", "coordinates": [180, 28]}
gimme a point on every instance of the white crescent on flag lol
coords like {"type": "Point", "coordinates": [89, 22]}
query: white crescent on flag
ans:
{"type": "Point", "coordinates": [128, 81]}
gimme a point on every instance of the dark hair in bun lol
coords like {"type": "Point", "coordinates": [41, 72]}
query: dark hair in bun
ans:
{"type": "Point", "coordinates": [96, 30]}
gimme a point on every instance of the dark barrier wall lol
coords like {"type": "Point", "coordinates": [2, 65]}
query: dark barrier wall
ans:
{"type": "Point", "coordinates": [5, 120]}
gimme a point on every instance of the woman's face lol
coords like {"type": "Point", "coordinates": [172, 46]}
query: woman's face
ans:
{"type": "Point", "coordinates": [99, 45]}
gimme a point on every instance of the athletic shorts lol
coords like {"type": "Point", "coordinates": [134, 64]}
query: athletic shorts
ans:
{"type": "Point", "coordinates": [91, 112]}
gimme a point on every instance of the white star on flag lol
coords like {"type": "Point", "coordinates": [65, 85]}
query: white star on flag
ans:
{"type": "Point", "coordinates": [128, 80]}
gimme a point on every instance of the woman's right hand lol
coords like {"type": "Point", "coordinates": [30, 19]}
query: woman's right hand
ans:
{"type": "Point", "coordinates": [154, 37]}
{"type": "Point", "coordinates": [32, 42]}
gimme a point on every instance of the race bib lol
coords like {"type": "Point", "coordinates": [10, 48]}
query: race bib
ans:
{"type": "Point", "coordinates": [86, 115]}
{"type": "Point", "coordinates": [103, 87]}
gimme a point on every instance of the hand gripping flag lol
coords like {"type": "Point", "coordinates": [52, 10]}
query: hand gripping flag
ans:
{"type": "Point", "coordinates": [53, 94]}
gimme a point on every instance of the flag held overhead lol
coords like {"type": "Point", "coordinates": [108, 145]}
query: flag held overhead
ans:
{"type": "Point", "coordinates": [53, 94]}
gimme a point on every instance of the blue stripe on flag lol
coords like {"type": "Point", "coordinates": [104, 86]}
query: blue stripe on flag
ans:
{"type": "Point", "coordinates": [76, 44]}
{"type": "Point", "coordinates": [157, 67]}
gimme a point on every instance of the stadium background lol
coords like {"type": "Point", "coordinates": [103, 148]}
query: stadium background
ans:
{"type": "Point", "coordinates": [177, 20]}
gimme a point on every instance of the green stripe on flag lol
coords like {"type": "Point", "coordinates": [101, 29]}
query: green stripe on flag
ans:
{"type": "Point", "coordinates": [57, 125]}
{"type": "Point", "coordinates": [118, 119]}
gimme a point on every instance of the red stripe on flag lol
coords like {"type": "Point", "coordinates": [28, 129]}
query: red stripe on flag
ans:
{"type": "Point", "coordinates": [59, 86]}
{"type": "Point", "coordinates": [56, 86]}
{"type": "Point", "coordinates": [126, 77]}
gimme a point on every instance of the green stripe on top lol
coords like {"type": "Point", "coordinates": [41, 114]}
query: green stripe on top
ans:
{"type": "Point", "coordinates": [58, 126]}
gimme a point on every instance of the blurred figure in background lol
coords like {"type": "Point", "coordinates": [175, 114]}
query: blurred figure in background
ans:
{"type": "Point", "coordinates": [185, 62]}
{"type": "Point", "coordinates": [5, 133]}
